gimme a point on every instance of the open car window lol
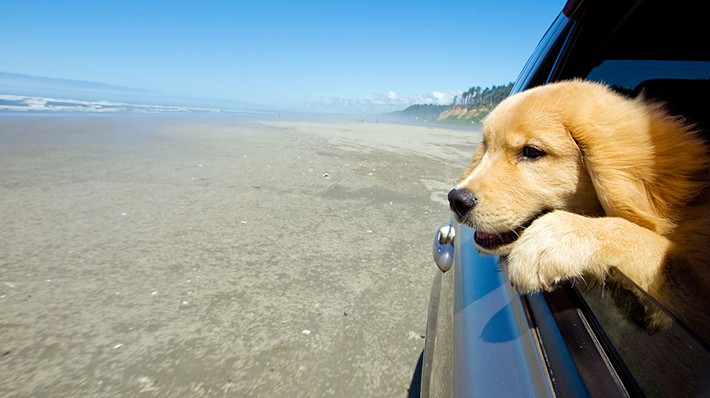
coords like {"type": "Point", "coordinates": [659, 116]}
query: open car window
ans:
{"type": "Point", "coordinates": [657, 51]}
{"type": "Point", "coordinates": [631, 73]}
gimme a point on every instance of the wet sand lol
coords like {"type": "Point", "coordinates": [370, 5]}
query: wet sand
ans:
{"type": "Point", "coordinates": [206, 256]}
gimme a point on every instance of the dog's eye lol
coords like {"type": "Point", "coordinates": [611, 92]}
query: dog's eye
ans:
{"type": "Point", "coordinates": [530, 152]}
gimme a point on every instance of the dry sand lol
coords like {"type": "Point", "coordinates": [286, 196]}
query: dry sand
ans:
{"type": "Point", "coordinates": [206, 256]}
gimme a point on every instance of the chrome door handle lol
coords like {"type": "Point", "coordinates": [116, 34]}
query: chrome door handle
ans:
{"type": "Point", "coordinates": [444, 246]}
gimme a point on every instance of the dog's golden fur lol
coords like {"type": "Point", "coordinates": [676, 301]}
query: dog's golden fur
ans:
{"type": "Point", "coordinates": [618, 183]}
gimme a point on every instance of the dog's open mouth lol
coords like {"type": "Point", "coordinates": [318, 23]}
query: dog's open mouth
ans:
{"type": "Point", "coordinates": [491, 241]}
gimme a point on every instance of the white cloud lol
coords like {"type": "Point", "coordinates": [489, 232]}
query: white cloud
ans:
{"type": "Point", "coordinates": [435, 97]}
{"type": "Point", "coordinates": [380, 103]}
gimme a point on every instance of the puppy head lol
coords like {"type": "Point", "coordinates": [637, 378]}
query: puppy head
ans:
{"type": "Point", "coordinates": [579, 147]}
{"type": "Point", "coordinates": [527, 164]}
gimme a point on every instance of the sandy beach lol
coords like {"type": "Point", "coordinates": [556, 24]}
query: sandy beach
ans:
{"type": "Point", "coordinates": [211, 256]}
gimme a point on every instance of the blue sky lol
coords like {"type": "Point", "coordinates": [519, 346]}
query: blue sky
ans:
{"type": "Point", "coordinates": [288, 54]}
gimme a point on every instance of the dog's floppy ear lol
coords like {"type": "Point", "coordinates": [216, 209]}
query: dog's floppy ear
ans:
{"type": "Point", "coordinates": [644, 164]}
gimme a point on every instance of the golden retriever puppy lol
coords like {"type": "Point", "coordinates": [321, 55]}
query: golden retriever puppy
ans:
{"type": "Point", "coordinates": [572, 179]}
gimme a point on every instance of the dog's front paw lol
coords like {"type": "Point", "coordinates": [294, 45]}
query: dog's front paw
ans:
{"type": "Point", "coordinates": [558, 246]}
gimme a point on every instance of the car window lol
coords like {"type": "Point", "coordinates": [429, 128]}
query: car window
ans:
{"type": "Point", "coordinates": [629, 73]}
{"type": "Point", "coordinates": [675, 70]}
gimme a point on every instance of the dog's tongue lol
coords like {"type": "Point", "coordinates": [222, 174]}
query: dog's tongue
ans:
{"type": "Point", "coordinates": [489, 241]}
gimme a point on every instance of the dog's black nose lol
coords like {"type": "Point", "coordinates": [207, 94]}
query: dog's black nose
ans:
{"type": "Point", "coordinates": [461, 201]}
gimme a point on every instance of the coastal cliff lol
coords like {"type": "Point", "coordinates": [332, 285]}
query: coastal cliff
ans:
{"type": "Point", "coordinates": [470, 107]}
{"type": "Point", "coordinates": [461, 115]}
